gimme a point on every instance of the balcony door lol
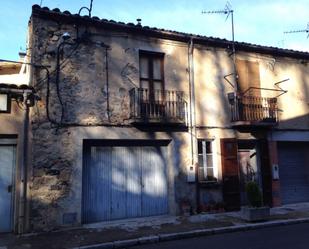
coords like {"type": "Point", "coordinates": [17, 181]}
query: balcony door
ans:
{"type": "Point", "coordinates": [151, 93]}
{"type": "Point", "coordinates": [152, 75]}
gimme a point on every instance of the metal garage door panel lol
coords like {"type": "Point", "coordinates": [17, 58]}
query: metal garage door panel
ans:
{"type": "Point", "coordinates": [124, 182]}
{"type": "Point", "coordinates": [294, 172]}
{"type": "Point", "coordinates": [118, 191]}
{"type": "Point", "coordinates": [133, 182]}
{"type": "Point", "coordinates": [97, 183]}
{"type": "Point", "coordinates": [7, 163]}
{"type": "Point", "coordinates": [154, 196]}
{"type": "Point", "coordinates": [126, 187]}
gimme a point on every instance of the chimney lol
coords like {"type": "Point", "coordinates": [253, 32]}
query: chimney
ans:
{"type": "Point", "coordinates": [22, 56]}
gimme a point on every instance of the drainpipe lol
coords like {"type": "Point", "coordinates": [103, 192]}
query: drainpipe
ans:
{"type": "Point", "coordinates": [192, 115]}
{"type": "Point", "coordinates": [23, 171]}
{"type": "Point", "coordinates": [192, 96]}
{"type": "Point", "coordinates": [107, 85]}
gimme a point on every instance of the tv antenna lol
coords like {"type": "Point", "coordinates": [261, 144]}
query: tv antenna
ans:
{"type": "Point", "coordinates": [228, 11]}
{"type": "Point", "coordinates": [86, 8]}
{"type": "Point", "coordinates": [299, 31]}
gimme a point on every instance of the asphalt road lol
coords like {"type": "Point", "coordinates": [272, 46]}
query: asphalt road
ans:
{"type": "Point", "coordinates": [283, 237]}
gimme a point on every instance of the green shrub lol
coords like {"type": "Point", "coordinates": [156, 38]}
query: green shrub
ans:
{"type": "Point", "coordinates": [254, 194]}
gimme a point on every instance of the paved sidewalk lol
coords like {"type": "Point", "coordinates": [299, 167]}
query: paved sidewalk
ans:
{"type": "Point", "coordinates": [117, 234]}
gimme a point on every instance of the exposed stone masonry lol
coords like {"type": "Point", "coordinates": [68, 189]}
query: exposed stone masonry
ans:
{"type": "Point", "coordinates": [84, 93]}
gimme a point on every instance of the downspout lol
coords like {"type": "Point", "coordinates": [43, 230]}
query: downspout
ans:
{"type": "Point", "coordinates": [107, 84]}
{"type": "Point", "coordinates": [192, 116]}
{"type": "Point", "coordinates": [23, 171]}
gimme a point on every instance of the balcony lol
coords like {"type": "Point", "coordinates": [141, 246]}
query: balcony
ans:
{"type": "Point", "coordinates": [158, 107]}
{"type": "Point", "coordinates": [253, 110]}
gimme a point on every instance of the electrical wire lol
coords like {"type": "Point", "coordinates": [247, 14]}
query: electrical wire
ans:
{"type": "Point", "coordinates": [58, 77]}
{"type": "Point", "coordinates": [60, 124]}
{"type": "Point", "coordinates": [41, 81]}
{"type": "Point", "coordinates": [47, 100]}
{"type": "Point", "coordinates": [19, 105]}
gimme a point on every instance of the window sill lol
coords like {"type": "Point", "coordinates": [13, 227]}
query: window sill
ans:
{"type": "Point", "coordinates": [209, 184]}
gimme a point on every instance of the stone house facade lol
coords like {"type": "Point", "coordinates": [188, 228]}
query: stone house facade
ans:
{"type": "Point", "coordinates": [135, 121]}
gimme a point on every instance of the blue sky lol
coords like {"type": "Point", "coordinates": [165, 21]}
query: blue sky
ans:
{"type": "Point", "coordinates": [257, 21]}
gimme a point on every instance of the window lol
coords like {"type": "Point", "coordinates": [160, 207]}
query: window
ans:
{"type": "Point", "coordinates": [152, 75]}
{"type": "Point", "coordinates": [5, 103]}
{"type": "Point", "coordinates": [205, 161]}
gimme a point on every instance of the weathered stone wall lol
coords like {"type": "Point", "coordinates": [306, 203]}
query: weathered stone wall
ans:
{"type": "Point", "coordinates": [85, 91]}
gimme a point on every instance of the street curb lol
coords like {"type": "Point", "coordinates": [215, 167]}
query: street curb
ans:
{"type": "Point", "coordinates": [190, 234]}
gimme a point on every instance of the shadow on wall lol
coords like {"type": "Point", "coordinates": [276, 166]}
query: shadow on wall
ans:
{"type": "Point", "coordinates": [300, 122]}
{"type": "Point", "coordinates": [211, 98]}
{"type": "Point", "coordinates": [295, 116]}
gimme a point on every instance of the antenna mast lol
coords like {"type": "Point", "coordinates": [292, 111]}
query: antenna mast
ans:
{"type": "Point", "coordinates": [298, 31]}
{"type": "Point", "coordinates": [228, 11]}
{"type": "Point", "coordinates": [88, 9]}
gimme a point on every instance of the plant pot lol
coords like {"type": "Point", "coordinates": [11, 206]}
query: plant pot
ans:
{"type": "Point", "coordinates": [254, 214]}
{"type": "Point", "coordinates": [185, 208]}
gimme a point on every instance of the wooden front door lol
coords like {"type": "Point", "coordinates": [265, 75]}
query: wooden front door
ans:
{"type": "Point", "coordinates": [230, 174]}
{"type": "Point", "coordinates": [266, 173]}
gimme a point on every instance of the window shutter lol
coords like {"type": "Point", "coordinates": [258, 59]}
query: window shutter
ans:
{"type": "Point", "coordinates": [266, 173]}
{"type": "Point", "coordinates": [248, 75]}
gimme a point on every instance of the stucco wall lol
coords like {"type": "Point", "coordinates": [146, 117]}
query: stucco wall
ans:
{"type": "Point", "coordinates": [212, 108]}
{"type": "Point", "coordinates": [11, 127]}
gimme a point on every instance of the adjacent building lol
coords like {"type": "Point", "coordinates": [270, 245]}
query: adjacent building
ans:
{"type": "Point", "coordinates": [14, 116]}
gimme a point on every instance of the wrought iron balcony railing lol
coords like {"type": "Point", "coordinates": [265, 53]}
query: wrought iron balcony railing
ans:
{"type": "Point", "coordinates": [158, 106]}
{"type": "Point", "coordinates": [253, 109]}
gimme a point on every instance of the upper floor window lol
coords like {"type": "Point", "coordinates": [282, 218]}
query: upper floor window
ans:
{"type": "Point", "coordinates": [152, 74]}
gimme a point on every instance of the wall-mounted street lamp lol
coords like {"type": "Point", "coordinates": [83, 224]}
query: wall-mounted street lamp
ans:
{"type": "Point", "coordinates": [5, 103]}
{"type": "Point", "coordinates": [23, 95]}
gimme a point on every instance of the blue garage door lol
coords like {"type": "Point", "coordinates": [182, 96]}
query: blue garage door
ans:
{"type": "Point", "coordinates": [294, 171]}
{"type": "Point", "coordinates": [7, 165]}
{"type": "Point", "coordinates": [124, 182]}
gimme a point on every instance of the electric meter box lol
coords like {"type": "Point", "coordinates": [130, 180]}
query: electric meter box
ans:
{"type": "Point", "coordinates": [191, 173]}
{"type": "Point", "coordinates": [275, 171]}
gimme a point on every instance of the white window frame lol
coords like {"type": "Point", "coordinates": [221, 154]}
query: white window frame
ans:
{"type": "Point", "coordinates": [5, 106]}
{"type": "Point", "coordinates": [204, 156]}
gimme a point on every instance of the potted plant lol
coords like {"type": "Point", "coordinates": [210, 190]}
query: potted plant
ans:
{"type": "Point", "coordinates": [185, 206]}
{"type": "Point", "coordinates": [255, 211]}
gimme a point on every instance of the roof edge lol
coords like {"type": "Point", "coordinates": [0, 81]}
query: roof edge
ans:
{"type": "Point", "coordinates": [66, 16]}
